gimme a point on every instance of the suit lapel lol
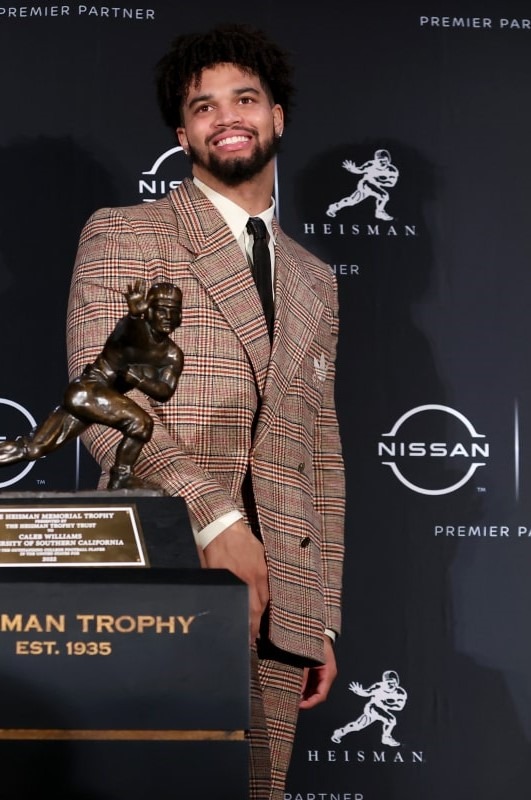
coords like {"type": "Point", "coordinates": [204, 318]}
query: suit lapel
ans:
{"type": "Point", "coordinates": [222, 269]}
{"type": "Point", "coordinates": [298, 311]}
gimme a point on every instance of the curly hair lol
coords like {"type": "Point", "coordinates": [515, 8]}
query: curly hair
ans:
{"type": "Point", "coordinates": [247, 47]}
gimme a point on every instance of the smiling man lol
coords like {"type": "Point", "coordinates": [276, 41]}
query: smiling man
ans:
{"type": "Point", "coordinates": [230, 128]}
{"type": "Point", "coordinates": [250, 438]}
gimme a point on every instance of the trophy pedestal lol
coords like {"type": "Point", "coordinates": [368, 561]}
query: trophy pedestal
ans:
{"type": "Point", "coordinates": [121, 683]}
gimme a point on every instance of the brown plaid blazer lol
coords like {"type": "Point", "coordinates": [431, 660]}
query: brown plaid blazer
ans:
{"type": "Point", "coordinates": [204, 440]}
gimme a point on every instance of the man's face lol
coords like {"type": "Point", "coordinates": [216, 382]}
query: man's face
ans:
{"type": "Point", "coordinates": [164, 314]}
{"type": "Point", "coordinates": [230, 128]}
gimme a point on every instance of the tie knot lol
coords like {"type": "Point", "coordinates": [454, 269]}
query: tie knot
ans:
{"type": "Point", "coordinates": [257, 227]}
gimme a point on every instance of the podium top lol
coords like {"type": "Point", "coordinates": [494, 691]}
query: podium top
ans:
{"type": "Point", "coordinates": [163, 522]}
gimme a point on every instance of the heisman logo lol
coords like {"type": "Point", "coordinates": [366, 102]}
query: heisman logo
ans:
{"type": "Point", "coordinates": [26, 467]}
{"type": "Point", "coordinates": [377, 175]}
{"type": "Point", "coordinates": [384, 698]}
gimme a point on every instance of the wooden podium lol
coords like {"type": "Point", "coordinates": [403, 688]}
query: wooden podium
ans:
{"type": "Point", "coordinates": [123, 683]}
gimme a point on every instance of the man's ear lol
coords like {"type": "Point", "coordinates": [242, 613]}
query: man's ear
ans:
{"type": "Point", "coordinates": [278, 120]}
{"type": "Point", "coordinates": [183, 139]}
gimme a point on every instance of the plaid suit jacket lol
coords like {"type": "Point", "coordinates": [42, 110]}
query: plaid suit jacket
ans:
{"type": "Point", "coordinates": [206, 438]}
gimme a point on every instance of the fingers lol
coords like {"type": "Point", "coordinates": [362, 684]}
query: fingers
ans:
{"type": "Point", "coordinates": [318, 680]}
{"type": "Point", "coordinates": [138, 287]}
{"type": "Point", "coordinates": [318, 692]}
{"type": "Point", "coordinates": [239, 551]}
{"type": "Point", "coordinates": [258, 602]}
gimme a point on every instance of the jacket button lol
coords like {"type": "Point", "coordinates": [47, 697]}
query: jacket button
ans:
{"type": "Point", "coordinates": [301, 467]}
{"type": "Point", "coordinates": [306, 541]}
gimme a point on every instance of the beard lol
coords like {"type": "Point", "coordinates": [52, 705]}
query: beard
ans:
{"type": "Point", "coordinates": [237, 170]}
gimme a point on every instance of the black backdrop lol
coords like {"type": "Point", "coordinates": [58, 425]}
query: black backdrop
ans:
{"type": "Point", "coordinates": [434, 392]}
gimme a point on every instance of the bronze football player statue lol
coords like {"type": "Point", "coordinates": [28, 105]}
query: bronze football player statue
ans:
{"type": "Point", "coordinates": [140, 354]}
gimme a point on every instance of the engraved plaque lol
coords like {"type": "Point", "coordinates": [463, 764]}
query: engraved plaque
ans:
{"type": "Point", "coordinates": [71, 535]}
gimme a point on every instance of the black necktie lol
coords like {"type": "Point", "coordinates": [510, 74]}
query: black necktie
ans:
{"type": "Point", "coordinates": [262, 268]}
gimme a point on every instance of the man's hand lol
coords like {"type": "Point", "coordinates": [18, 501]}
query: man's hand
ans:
{"type": "Point", "coordinates": [318, 680]}
{"type": "Point", "coordinates": [239, 551]}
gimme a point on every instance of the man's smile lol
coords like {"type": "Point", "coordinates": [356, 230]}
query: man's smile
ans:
{"type": "Point", "coordinates": [232, 140]}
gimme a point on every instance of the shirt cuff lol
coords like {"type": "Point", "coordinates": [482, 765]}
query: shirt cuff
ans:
{"type": "Point", "coordinates": [206, 535]}
{"type": "Point", "coordinates": [331, 634]}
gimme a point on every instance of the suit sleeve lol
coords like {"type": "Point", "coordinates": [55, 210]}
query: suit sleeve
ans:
{"type": "Point", "coordinates": [110, 258]}
{"type": "Point", "coordinates": [330, 478]}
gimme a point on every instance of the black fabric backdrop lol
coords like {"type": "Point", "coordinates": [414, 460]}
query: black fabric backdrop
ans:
{"type": "Point", "coordinates": [434, 392]}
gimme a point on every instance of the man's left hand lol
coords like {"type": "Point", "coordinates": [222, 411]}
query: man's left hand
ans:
{"type": "Point", "coordinates": [318, 680]}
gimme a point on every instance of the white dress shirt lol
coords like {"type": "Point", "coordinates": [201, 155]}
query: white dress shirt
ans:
{"type": "Point", "coordinates": [236, 218]}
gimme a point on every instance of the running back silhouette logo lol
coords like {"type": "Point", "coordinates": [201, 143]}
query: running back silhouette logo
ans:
{"type": "Point", "coordinates": [383, 698]}
{"type": "Point", "coordinates": [377, 175]}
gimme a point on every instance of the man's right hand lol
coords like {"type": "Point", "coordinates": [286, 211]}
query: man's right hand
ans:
{"type": "Point", "coordinates": [239, 551]}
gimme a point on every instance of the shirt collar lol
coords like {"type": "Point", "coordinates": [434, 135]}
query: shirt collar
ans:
{"type": "Point", "coordinates": [234, 215]}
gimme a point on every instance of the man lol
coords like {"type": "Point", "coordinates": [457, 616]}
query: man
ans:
{"type": "Point", "coordinates": [138, 353]}
{"type": "Point", "coordinates": [250, 438]}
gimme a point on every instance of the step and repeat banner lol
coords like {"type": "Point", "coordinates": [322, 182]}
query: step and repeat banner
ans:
{"type": "Point", "coordinates": [406, 168]}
